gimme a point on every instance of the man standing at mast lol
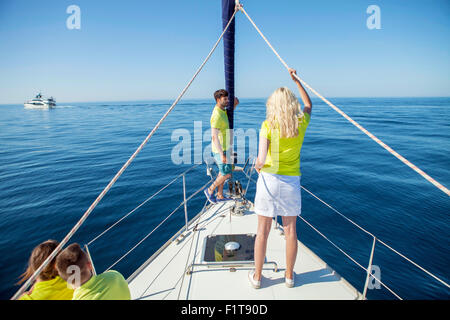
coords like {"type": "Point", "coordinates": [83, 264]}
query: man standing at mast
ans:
{"type": "Point", "coordinates": [221, 145]}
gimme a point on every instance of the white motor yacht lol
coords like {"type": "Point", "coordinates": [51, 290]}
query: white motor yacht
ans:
{"type": "Point", "coordinates": [40, 103]}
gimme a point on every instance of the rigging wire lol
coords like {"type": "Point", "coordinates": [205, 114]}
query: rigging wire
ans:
{"type": "Point", "coordinates": [381, 143]}
{"type": "Point", "coordinates": [118, 174]}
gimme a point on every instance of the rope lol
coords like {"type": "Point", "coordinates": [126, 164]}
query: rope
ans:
{"type": "Point", "coordinates": [381, 143]}
{"type": "Point", "coordinates": [348, 256]}
{"type": "Point", "coordinates": [173, 257]}
{"type": "Point", "coordinates": [118, 174]}
{"type": "Point", "coordinates": [380, 241]}
{"type": "Point", "coordinates": [145, 201]}
{"type": "Point", "coordinates": [383, 243]}
{"type": "Point", "coordinates": [354, 223]}
{"type": "Point", "coordinates": [336, 246]}
{"type": "Point", "coordinates": [415, 264]}
{"type": "Point", "coordinates": [162, 222]}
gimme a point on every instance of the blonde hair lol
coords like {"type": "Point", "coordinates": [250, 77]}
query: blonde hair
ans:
{"type": "Point", "coordinates": [283, 112]}
{"type": "Point", "coordinates": [39, 254]}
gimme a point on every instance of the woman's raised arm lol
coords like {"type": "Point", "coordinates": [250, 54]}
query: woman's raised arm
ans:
{"type": "Point", "coordinates": [303, 94]}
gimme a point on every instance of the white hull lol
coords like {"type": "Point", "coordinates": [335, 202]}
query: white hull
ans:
{"type": "Point", "coordinates": [38, 106]}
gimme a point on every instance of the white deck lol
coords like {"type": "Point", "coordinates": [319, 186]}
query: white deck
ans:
{"type": "Point", "coordinates": [163, 275]}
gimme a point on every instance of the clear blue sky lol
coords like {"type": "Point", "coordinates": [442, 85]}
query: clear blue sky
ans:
{"type": "Point", "coordinates": [138, 50]}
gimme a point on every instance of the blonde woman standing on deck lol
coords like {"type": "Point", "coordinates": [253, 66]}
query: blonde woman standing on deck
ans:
{"type": "Point", "coordinates": [278, 165]}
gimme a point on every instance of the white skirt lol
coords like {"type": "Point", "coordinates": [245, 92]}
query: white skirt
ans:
{"type": "Point", "coordinates": [278, 195]}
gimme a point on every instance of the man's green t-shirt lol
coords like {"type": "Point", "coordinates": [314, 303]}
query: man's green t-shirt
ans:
{"type": "Point", "coordinates": [219, 120]}
{"type": "Point", "coordinates": [283, 155]}
{"type": "Point", "coordinates": [110, 285]}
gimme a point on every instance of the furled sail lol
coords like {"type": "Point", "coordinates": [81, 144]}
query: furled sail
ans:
{"type": "Point", "coordinates": [228, 7]}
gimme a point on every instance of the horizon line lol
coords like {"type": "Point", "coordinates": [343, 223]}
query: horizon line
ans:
{"type": "Point", "coordinates": [261, 98]}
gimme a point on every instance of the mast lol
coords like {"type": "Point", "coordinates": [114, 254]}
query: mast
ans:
{"type": "Point", "coordinates": [228, 7]}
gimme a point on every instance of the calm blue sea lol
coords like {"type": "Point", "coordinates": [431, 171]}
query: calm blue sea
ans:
{"type": "Point", "coordinates": [54, 163]}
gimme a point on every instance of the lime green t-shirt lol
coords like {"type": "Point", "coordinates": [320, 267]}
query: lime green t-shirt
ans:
{"type": "Point", "coordinates": [219, 120]}
{"type": "Point", "coordinates": [54, 289]}
{"type": "Point", "coordinates": [109, 285]}
{"type": "Point", "coordinates": [283, 155]}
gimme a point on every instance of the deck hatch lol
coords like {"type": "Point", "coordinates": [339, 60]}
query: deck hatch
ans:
{"type": "Point", "coordinates": [214, 250]}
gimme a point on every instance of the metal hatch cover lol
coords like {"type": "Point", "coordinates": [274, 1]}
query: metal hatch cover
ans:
{"type": "Point", "coordinates": [214, 249]}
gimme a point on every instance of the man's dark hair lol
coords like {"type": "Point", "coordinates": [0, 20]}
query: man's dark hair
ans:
{"type": "Point", "coordinates": [220, 93]}
{"type": "Point", "coordinates": [72, 255]}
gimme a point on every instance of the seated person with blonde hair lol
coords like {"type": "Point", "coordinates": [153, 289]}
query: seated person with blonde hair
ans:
{"type": "Point", "coordinates": [48, 285]}
{"type": "Point", "coordinates": [74, 266]}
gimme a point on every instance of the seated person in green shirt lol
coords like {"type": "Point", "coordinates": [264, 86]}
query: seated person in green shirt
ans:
{"type": "Point", "coordinates": [221, 137]}
{"type": "Point", "coordinates": [48, 285]}
{"type": "Point", "coordinates": [74, 266]}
